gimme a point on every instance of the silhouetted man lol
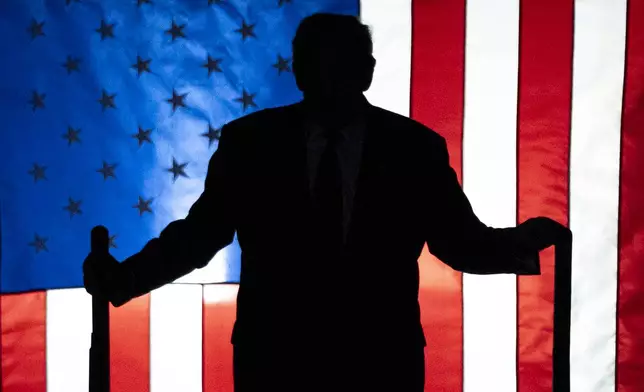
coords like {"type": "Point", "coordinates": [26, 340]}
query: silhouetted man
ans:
{"type": "Point", "coordinates": [333, 200]}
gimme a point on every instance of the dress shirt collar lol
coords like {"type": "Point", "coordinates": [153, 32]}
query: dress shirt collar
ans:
{"type": "Point", "coordinates": [353, 129]}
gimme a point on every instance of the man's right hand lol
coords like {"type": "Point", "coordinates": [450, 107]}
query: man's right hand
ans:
{"type": "Point", "coordinates": [100, 274]}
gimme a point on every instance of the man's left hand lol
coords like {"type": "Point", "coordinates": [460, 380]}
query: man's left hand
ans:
{"type": "Point", "coordinates": [541, 232]}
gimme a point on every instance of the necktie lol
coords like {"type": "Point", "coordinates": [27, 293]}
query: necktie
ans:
{"type": "Point", "coordinates": [327, 196]}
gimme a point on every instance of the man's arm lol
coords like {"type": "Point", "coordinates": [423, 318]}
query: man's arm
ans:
{"type": "Point", "coordinates": [189, 243]}
{"type": "Point", "coordinates": [458, 238]}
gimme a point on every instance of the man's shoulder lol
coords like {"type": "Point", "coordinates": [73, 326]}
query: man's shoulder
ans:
{"type": "Point", "coordinates": [261, 118]}
{"type": "Point", "coordinates": [407, 130]}
{"type": "Point", "coordinates": [405, 127]}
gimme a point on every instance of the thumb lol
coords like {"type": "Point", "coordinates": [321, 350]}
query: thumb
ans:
{"type": "Point", "coordinates": [547, 231]}
{"type": "Point", "coordinates": [535, 234]}
{"type": "Point", "coordinates": [562, 233]}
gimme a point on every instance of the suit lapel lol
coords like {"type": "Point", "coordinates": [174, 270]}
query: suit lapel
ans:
{"type": "Point", "coordinates": [371, 160]}
{"type": "Point", "coordinates": [372, 153]}
{"type": "Point", "coordinates": [299, 155]}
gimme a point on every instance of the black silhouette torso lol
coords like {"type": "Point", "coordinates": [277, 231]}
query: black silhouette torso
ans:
{"type": "Point", "coordinates": [315, 313]}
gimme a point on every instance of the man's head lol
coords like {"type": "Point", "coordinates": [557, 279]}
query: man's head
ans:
{"type": "Point", "coordinates": [332, 56]}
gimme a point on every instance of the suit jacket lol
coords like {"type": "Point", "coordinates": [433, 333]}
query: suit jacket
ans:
{"type": "Point", "coordinates": [292, 289]}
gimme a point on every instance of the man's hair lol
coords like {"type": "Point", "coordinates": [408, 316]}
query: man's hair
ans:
{"type": "Point", "coordinates": [336, 28]}
{"type": "Point", "coordinates": [345, 35]}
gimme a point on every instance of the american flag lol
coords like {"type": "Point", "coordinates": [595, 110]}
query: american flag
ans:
{"type": "Point", "coordinates": [110, 110]}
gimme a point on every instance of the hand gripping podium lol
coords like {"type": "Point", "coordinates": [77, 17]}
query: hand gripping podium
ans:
{"type": "Point", "coordinates": [99, 353]}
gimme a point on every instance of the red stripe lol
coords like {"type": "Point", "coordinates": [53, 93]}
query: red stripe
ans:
{"type": "Point", "coordinates": [130, 346]}
{"type": "Point", "coordinates": [545, 88]}
{"type": "Point", "coordinates": [218, 318]}
{"type": "Point", "coordinates": [437, 83]}
{"type": "Point", "coordinates": [630, 321]}
{"type": "Point", "coordinates": [23, 342]}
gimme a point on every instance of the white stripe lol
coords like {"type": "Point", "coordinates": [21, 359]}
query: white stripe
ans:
{"type": "Point", "coordinates": [489, 180]}
{"type": "Point", "coordinates": [175, 338]}
{"type": "Point", "coordinates": [214, 294]}
{"type": "Point", "coordinates": [217, 269]}
{"type": "Point", "coordinates": [598, 67]}
{"type": "Point", "coordinates": [68, 331]}
{"type": "Point", "coordinates": [390, 23]}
